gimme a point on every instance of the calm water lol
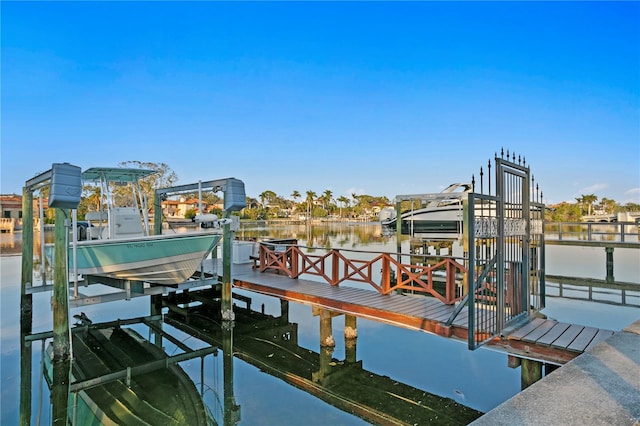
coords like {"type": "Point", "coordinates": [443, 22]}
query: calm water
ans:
{"type": "Point", "coordinates": [447, 383]}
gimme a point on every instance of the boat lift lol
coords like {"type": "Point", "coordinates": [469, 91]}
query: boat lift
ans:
{"type": "Point", "coordinates": [234, 200]}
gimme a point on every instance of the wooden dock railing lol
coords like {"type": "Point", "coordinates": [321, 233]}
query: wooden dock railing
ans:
{"type": "Point", "coordinates": [441, 277]}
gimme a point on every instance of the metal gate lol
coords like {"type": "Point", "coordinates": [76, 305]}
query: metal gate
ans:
{"type": "Point", "coordinates": [505, 249]}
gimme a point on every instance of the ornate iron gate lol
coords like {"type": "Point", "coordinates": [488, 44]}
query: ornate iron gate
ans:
{"type": "Point", "coordinates": [506, 250]}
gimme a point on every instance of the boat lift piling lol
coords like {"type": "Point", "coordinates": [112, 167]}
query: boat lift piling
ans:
{"type": "Point", "coordinates": [234, 200]}
{"type": "Point", "coordinates": [65, 187]}
{"type": "Point", "coordinates": [26, 280]}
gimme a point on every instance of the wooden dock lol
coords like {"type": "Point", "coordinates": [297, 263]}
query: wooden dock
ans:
{"type": "Point", "coordinates": [542, 339]}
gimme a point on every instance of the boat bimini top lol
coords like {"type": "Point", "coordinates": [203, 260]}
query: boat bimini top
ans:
{"type": "Point", "coordinates": [115, 174]}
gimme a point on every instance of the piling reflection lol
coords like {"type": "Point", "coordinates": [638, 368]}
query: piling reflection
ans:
{"type": "Point", "coordinates": [271, 344]}
{"type": "Point", "coordinates": [118, 376]}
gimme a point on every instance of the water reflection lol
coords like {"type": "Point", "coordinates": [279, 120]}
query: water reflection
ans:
{"type": "Point", "coordinates": [119, 376]}
{"type": "Point", "coordinates": [116, 376]}
{"type": "Point", "coordinates": [304, 381]}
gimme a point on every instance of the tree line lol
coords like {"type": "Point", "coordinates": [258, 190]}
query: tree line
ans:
{"type": "Point", "coordinates": [271, 205]}
{"type": "Point", "coordinates": [586, 205]}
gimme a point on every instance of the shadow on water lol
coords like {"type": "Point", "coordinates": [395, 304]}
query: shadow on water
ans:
{"type": "Point", "coordinates": [118, 376]}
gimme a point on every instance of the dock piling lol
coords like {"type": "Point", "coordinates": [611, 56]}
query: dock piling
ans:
{"type": "Point", "coordinates": [530, 372]}
{"type": "Point", "coordinates": [60, 294]}
{"type": "Point", "coordinates": [326, 335]}
{"type": "Point", "coordinates": [609, 254]}
{"type": "Point", "coordinates": [26, 300]}
{"type": "Point", "coordinates": [227, 303]}
{"type": "Point", "coordinates": [350, 338]}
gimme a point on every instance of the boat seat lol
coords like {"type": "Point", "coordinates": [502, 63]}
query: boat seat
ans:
{"type": "Point", "coordinates": [126, 222]}
{"type": "Point", "coordinates": [96, 216]}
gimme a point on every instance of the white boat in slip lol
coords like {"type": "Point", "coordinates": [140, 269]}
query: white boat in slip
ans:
{"type": "Point", "coordinates": [119, 244]}
{"type": "Point", "coordinates": [437, 213]}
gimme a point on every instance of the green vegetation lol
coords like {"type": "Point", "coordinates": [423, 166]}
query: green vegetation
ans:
{"type": "Point", "coordinates": [586, 205]}
{"type": "Point", "coordinates": [270, 205]}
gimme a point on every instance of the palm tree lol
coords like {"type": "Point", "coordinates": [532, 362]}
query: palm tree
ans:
{"type": "Point", "coordinates": [589, 200]}
{"type": "Point", "coordinates": [295, 195]}
{"type": "Point", "coordinates": [269, 196]}
{"type": "Point", "coordinates": [327, 196]}
{"type": "Point", "coordinates": [345, 201]}
{"type": "Point", "coordinates": [311, 196]}
{"type": "Point", "coordinates": [609, 205]}
{"type": "Point", "coordinates": [263, 197]}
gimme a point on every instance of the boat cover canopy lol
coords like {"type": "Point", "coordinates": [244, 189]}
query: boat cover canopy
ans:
{"type": "Point", "coordinates": [115, 174]}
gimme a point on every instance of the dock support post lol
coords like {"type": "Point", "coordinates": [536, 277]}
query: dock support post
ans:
{"type": "Point", "coordinates": [60, 292]}
{"type": "Point", "coordinates": [227, 303]}
{"type": "Point", "coordinates": [61, 344]}
{"type": "Point", "coordinates": [326, 336]}
{"type": "Point", "coordinates": [25, 378]}
{"type": "Point", "coordinates": [231, 409]}
{"type": "Point", "coordinates": [156, 309]}
{"type": "Point", "coordinates": [530, 372]}
{"type": "Point", "coordinates": [609, 252]}
{"type": "Point", "coordinates": [60, 392]}
{"type": "Point", "coordinates": [327, 346]}
{"type": "Point", "coordinates": [26, 300]}
{"type": "Point", "coordinates": [284, 311]}
{"type": "Point", "coordinates": [26, 306]}
{"type": "Point", "coordinates": [350, 338]}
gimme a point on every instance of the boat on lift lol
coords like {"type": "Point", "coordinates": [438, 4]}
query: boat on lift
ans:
{"type": "Point", "coordinates": [437, 214]}
{"type": "Point", "coordinates": [119, 243]}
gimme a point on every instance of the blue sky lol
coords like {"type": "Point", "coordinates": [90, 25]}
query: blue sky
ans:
{"type": "Point", "coordinates": [378, 98]}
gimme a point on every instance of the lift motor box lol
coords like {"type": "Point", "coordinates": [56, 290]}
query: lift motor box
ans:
{"type": "Point", "coordinates": [234, 195]}
{"type": "Point", "coordinates": [66, 186]}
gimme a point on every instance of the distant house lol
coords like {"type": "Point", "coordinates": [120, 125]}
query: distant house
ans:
{"type": "Point", "coordinates": [170, 208]}
{"type": "Point", "coordinates": [11, 206]}
{"type": "Point", "coordinates": [178, 208]}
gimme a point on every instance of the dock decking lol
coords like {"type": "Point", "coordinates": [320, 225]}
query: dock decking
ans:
{"type": "Point", "coordinates": [600, 387]}
{"type": "Point", "coordinates": [543, 339]}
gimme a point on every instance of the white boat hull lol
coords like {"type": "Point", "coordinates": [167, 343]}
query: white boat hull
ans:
{"type": "Point", "coordinates": [163, 259]}
{"type": "Point", "coordinates": [441, 220]}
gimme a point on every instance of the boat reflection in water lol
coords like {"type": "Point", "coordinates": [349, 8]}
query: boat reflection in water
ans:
{"type": "Point", "coordinates": [118, 377]}
{"type": "Point", "coordinates": [270, 343]}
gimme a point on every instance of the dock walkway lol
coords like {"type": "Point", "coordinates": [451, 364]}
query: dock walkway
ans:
{"type": "Point", "coordinates": [599, 387]}
{"type": "Point", "coordinates": [546, 340]}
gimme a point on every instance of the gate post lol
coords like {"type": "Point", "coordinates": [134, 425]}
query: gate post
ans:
{"type": "Point", "coordinates": [501, 240]}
